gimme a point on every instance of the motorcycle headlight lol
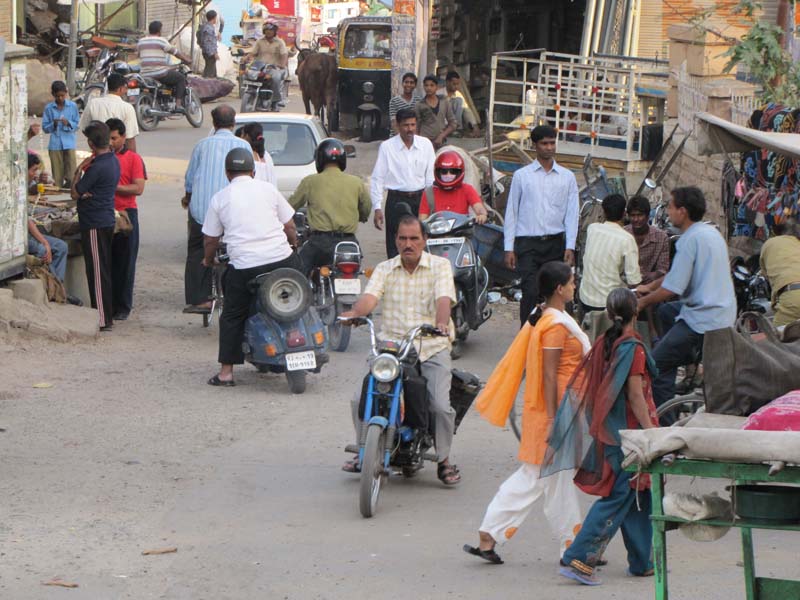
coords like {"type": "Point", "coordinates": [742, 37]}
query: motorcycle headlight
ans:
{"type": "Point", "coordinates": [385, 368]}
{"type": "Point", "coordinates": [368, 87]}
{"type": "Point", "coordinates": [440, 227]}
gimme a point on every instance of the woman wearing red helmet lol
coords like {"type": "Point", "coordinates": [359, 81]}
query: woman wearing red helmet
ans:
{"type": "Point", "coordinates": [450, 193]}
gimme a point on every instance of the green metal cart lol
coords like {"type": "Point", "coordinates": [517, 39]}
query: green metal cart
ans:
{"type": "Point", "coordinates": [757, 588]}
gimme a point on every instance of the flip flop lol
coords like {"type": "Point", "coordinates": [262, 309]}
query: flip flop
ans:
{"type": "Point", "coordinates": [576, 575]}
{"type": "Point", "coordinates": [647, 573]}
{"type": "Point", "coordinates": [216, 381]}
{"type": "Point", "coordinates": [488, 555]}
{"type": "Point", "coordinates": [600, 563]}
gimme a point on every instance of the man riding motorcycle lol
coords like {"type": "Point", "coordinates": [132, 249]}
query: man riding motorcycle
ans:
{"type": "Point", "coordinates": [259, 231]}
{"type": "Point", "coordinates": [450, 193]}
{"type": "Point", "coordinates": [154, 51]}
{"type": "Point", "coordinates": [272, 50]}
{"type": "Point", "coordinates": [336, 203]}
{"type": "Point", "coordinates": [417, 288]}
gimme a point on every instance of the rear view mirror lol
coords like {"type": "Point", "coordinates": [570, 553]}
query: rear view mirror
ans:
{"type": "Point", "coordinates": [350, 150]}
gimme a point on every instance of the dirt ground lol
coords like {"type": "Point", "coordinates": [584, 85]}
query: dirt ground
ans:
{"type": "Point", "coordinates": [129, 450]}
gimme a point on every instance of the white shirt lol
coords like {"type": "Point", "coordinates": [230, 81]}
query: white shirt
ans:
{"type": "Point", "coordinates": [251, 214]}
{"type": "Point", "coordinates": [265, 170]}
{"type": "Point", "coordinates": [542, 203]}
{"type": "Point", "coordinates": [401, 168]}
{"type": "Point", "coordinates": [611, 260]}
{"type": "Point", "coordinates": [108, 107]}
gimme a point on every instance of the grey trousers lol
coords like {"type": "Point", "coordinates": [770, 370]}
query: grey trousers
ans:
{"type": "Point", "coordinates": [436, 371]}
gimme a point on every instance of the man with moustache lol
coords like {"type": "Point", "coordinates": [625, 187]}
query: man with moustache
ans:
{"type": "Point", "coordinates": [653, 243]}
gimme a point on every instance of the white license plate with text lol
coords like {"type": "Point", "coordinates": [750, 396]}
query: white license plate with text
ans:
{"type": "Point", "coordinates": [347, 286]}
{"type": "Point", "coordinates": [453, 241]}
{"type": "Point", "coordinates": [299, 361]}
{"type": "Point", "coordinates": [133, 91]}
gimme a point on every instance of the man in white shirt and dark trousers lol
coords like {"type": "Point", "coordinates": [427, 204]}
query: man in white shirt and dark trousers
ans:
{"type": "Point", "coordinates": [405, 170]}
{"type": "Point", "coordinates": [541, 220]}
{"type": "Point", "coordinates": [611, 259]}
{"type": "Point", "coordinates": [259, 230]}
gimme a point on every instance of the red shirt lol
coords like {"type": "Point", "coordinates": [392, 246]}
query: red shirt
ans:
{"type": "Point", "coordinates": [131, 167]}
{"type": "Point", "coordinates": [457, 200]}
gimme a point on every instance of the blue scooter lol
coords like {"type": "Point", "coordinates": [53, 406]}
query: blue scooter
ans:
{"type": "Point", "coordinates": [285, 334]}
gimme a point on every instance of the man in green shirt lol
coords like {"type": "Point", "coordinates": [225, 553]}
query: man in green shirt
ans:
{"type": "Point", "coordinates": [336, 203]}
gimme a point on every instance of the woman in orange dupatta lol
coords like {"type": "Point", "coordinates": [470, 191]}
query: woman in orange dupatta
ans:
{"type": "Point", "coordinates": [548, 351]}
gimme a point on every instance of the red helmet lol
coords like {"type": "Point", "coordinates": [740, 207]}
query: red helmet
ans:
{"type": "Point", "coordinates": [448, 170]}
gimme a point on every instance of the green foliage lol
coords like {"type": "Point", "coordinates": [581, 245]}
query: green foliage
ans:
{"type": "Point", "coordinates": [761, 52]}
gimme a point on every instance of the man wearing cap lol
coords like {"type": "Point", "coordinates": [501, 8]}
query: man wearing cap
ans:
{"type": "Point", "coordinates": [272, 50]}
{"type": "Point", "coordinates": [258, 225]}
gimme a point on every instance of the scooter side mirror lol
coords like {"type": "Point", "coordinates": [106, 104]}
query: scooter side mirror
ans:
{"type": "Point", "coordinates": [494, 297]}
{"type": "Point", "coordinates": [350, 150]}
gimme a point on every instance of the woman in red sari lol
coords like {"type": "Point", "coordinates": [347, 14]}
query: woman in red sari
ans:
{"type": "Point", "coordinates": [613, 394]}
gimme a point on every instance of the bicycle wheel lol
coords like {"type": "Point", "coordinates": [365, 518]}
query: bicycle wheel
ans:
{"type": "Point", "coordinates": [676, 411]}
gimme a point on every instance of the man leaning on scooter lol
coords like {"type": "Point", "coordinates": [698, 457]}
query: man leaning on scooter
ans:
{"type": "Point", "coordinates": [417, 288]}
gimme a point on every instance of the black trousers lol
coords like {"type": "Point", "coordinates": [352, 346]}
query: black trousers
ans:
{"type": "Point", "coordinates": [318, 250]}
{"type": "Point", "coordinates": [176, 80]}
{"type": "Point", "coordinates": [210, 67]}
{"type": "Point", "coordinates": [236, 308]}
{"type": "Point", "coordinates": [394, 212]}
{"type": "Point", "coordinates": [96, 245]}
{"type": "Point", "coordinates": [196, 278]}
{"type": "Point", "coordinates": [532, 253]}
{"type": "Point", "coordinates": [124, 251]}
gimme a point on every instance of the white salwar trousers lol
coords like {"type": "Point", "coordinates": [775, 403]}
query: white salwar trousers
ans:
{"type": "Point", "coordinates": [517, 495]}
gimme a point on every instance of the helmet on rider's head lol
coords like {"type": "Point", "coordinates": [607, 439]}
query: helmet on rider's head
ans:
{"type": "Point", "coordinates": [448, 170]}
{"type": "Point", "coordinates": [240, 160]}
{"type": "Point", "coordinates": [330, 150]}
{"type": "Point", "coordinates": [270, 24]}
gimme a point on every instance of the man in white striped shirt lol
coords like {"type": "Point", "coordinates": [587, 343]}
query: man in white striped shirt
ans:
{"type": "Point", "coordinates": [408, 99]}
{"type": "Point", "coordinates": [611, 259]}
{"type": "Point", "coordinates": [154, 52]}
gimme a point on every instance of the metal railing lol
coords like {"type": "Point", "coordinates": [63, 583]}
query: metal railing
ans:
{"type": "Point", "coordinates": [591, 101]}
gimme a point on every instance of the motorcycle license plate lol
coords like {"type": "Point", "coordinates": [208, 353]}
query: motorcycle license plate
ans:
{"type": "Point", "coordinates": [300, 361]}
{"type": "Point", "coordinates": [453, 241]}
{"type": "Point", "coordinates": [347, 286]}
{"type": "Point", "coordinates": [133, 91]}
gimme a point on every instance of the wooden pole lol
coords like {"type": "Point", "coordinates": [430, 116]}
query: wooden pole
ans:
{"type": "Point", "coordinates": [72, 47]}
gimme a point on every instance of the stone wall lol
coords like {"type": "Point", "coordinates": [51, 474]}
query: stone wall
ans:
{"type": "Point", "coordinates": [704, 172]}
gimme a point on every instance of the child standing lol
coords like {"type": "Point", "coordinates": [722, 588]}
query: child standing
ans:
{"type": "Point", "coordinates": [60, 120]}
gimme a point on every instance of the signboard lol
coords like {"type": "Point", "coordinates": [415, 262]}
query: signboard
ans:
{"type": "Point", "coordinates": [403, 49]}
{"type": "Point", "coordinates": [279, 7]}
{"type": "Point", "coordinates": [404, 7]}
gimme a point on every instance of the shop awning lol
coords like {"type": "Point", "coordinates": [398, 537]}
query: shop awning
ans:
{"type": "Point", "coordinates": [715, 135]}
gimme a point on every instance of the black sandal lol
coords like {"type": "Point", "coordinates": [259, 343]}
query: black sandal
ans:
{"type": "Point", "coordinates": [488, 555]}
{"type": "Point", "coordinates": [448, 474]}
{"type": "Point", "coordinates": [216, 381]}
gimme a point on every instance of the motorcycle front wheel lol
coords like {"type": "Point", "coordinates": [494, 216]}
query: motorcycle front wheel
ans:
{"type": "Point", "coordinates": [371, 471]}
{"type": "Point", "coordinates": [367, 127]}
{"type": "Point", "coordinates": [147, 122]}
{"type": "Point", "coordinates": [248, 102]}
{"type": "Point", "coordinates": [194, 110]}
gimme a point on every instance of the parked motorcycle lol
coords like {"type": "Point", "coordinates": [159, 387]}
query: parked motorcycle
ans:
{"type": "Point", "coordinates": [255, 91]}
{"type": "Point", "coordinates": [156, 102]}
{"type": "Point", "coordinates": [450, 236]}
{"type": "Point", "coordinates": [285, 334]}
{"type": "Point", "coordinates": [752, 288]}
{"type": "Point", "coordinates": [336, 290]}
{"type": "Point", "coordinates": [396, 428]}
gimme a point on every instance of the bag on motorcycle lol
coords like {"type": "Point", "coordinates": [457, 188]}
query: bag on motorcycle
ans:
{"type": "Point", "coordinates": [415, 396]}
{"type": "Point", "coordinates": [464, 388]}
{"type": "Point", "coordinates": [740, 374]}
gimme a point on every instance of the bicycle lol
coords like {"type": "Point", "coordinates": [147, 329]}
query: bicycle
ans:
{"type": "Point", "coordinates": [217, 293]}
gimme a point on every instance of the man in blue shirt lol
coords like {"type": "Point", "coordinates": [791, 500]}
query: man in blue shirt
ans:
{"type": "Point", "coordinates": [205, 176]}
{"type": "Point", "coordinates": [541, 220]}
{"type": "Point", "coordinates": [93, 186]}
{"type": "Point", "coordinates": [700, 277]}
{"type": "Point", "coordinates": [60, 120]}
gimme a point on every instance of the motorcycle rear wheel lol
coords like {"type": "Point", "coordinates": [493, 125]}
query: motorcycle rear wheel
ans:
{"type": "Point", "coordinates": [144, 104]}
{"type": "Point", "coordinates": [194, 110]}
{"type": "Point", "coordinates": [297, 381]}
{"type": "Point", "coordinates": [371, 471]}
{"type": "Point", "coordinates": [338, 334]}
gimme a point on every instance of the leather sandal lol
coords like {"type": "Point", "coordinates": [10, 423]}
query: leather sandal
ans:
{"type": "Point", "coordinates": [448, 474]}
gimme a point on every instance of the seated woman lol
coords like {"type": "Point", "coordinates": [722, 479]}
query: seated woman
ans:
{"type": "Point", "coordinates": [613, 393]}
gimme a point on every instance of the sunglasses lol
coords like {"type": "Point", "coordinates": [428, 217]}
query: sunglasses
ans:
{"type": "Point", "coordinates": [449, 171]}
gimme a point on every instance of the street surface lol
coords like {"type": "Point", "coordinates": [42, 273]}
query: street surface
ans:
{"type": "Point", "coordinates": [130, 451]}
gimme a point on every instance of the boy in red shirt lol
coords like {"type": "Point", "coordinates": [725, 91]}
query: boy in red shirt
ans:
{"type": "Point", "coordinates": [125, 246]}
{"type": "Point", "coordinates": [450, 193]}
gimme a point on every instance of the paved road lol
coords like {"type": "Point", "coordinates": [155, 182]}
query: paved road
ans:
{"type": "Point", "coordinates": [130, 450]}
